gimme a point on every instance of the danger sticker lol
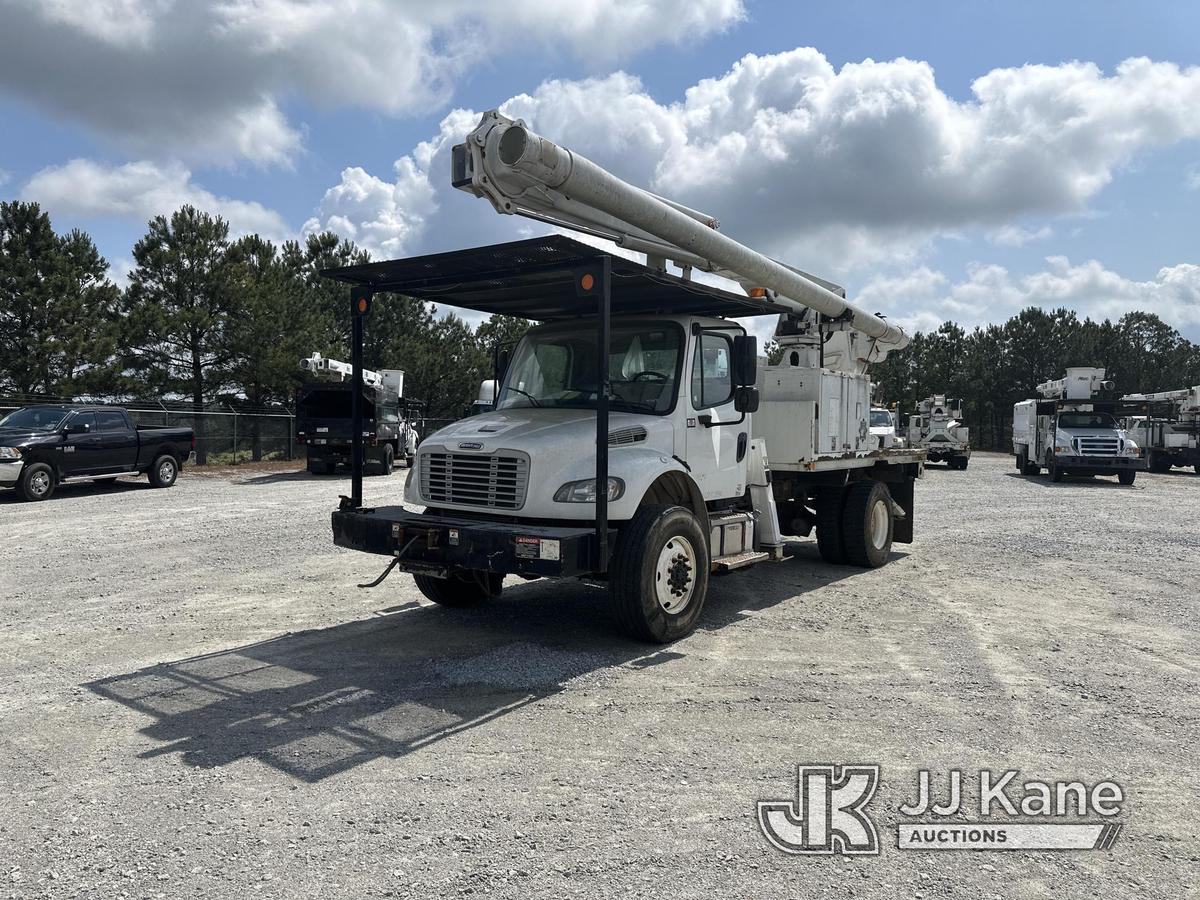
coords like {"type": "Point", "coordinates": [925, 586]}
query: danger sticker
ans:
{"type": "Point", "coordinates": [536, 548]}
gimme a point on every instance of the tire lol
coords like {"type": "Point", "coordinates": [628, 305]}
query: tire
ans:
{"type": "Point", "coordinates": [659, 576]}
{"type": "Point", "coordinates": [164, 471]}
{"type": "Point", "coordinates": [1126, 476]}
{"type": "Point", "coordinates": [1160, 465]}
{"type": "Point", "coordinates": [389, 459]}
{"type": "Point", "coordinates": [960, 463]}
{"type": "Point", "coordinates": [1022, 462]}
{"type": "Point", "coordinates": [464, 588]}
{"type": "Point", "coordinates": [831, 542]}
{"type": "Point", "coordinates": [1055, 473]}
{"type": "Point", "coordinates": [36, 482]}
{"type": "Point", "coordinates": [868, 524]}
{"type": "Point", "coordinates": [1031, 468]}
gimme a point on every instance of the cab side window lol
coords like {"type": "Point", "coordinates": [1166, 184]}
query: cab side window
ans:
{"type": "Point", "coordinates": [712, 374]}
{"type": "Point", "coordinates": [110, 421]}
{"type": "Point", "coordinates": [83, 422]}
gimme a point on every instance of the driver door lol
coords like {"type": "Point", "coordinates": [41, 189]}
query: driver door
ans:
{"type": "Point", "coordinates": [715, 452]}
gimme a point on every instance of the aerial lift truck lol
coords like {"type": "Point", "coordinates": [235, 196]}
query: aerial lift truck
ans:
{"type": "Point", "coordinates": [1169, 432]}
{"type": "Point", "coordinates": [636, 442]}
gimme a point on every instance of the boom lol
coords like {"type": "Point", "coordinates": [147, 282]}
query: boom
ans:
{"type": "Point", "coordinates": [522, 173]}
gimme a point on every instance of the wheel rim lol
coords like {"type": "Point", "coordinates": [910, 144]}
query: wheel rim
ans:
{"type": "Point", "coordinates": [878, 527]}
{"type": "Point", "coordinates": [166, 470]}
{"type": "Point", "coordinates": [675, 575]}
{"type": "Point", "coordinates": [39, 484]}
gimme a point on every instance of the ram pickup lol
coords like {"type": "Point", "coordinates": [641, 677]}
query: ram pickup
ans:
{"type": "Point", "coordinates": [42, 447]}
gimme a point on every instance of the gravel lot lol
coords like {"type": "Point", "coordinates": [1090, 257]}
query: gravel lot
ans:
{"type": "Point", "coordinates": [197, 701]}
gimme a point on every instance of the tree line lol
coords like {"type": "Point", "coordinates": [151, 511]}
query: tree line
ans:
{"type": "Point", "coordinates": [994, 366]}
{"type": "Point", "coordinates": [207, 318]}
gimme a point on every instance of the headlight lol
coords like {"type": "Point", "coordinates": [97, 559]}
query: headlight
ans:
{"type": "Point", "coordinates": [585, 491]}
{"type": "Point", "coordinates": [1062, 449]}
{"type": "Point", "coordinates": [9, 453]}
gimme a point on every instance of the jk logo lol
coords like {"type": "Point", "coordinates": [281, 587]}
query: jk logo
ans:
{"type": "Point", "coordinates": [827, 815]}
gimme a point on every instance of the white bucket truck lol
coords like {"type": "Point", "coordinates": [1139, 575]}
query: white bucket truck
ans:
{"type": "Point", "coordinates": [1069, 431]}
{"type": "Point", "coordinates": [641, 382]}
{"type": "Point", "coordinates": [936, 428]}
{"type": "Point", "coordinates": [1169, 429]}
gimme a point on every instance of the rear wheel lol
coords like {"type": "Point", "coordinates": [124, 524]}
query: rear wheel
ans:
{"type": "Point", "coordinates": [386, 460]}
{"type": "Point", "coordinates": [36, 482]}
{"type": "Point", "coordinates": [867, 524]}
{"type": "Point", "coordinates": [659, 575]}
{"type": "Point", "coordinates": [1126, 476]}
{"type": "Point", "coordinates": [164, 471]}
{"type": "Point", "coordinates": [959, 462]}
{"type": "Point", "coordinates": [831, 542]}
{"type": "Point", "coordinates": [1160, 464]}
{"type": "Point", "coordinates": [1052, 469]}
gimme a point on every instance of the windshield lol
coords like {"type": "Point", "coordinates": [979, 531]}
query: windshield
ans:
{"type": "Point", "coordinates": [881, 418]}
{"type": "Point", "coordinates": [34, 418]}
{"type": "Point", "coordinates": [1086, 420]}
{"type": "Point", "coordinates": [556, 368]}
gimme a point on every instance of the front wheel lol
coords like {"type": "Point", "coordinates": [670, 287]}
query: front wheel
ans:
{"type": "Point", "coordinates": [36, 482]}
{"type": "Point", "coordinates": [1053, 470]}
{"type": "Point", "coordinates": [1126, 476]}
{"type": "Point", "coordinates": [659, 575]}
{"type": "Point", "coordinates": [868, 524]}
{"type": "Point", "coordinates": [462, 589]}
{"type": "Point", "coordinates": [164, 471]}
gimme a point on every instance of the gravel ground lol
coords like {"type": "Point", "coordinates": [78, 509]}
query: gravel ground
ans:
{"type": "Point", "coordinates": [196, 701]}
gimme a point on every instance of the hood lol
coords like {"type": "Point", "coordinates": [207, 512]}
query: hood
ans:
{"type": "Point", "coordinates": [10, 436]}
{"type": "Point", "coordinates": [549, 430]}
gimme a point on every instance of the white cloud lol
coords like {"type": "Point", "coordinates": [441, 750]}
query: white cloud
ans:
{"type": "Point", "coordinates": [206, 80]}
{"type": "Point", "coordinates": [922, 299]}
{"type": "Point", "coordinates": [1016, 236]}
{"type": "Point", "coordinates": [138, 191]}
{"type": "Point", "coordinates": [1192, 179]}
{"type": "Point", "coordinates": [833, 170]}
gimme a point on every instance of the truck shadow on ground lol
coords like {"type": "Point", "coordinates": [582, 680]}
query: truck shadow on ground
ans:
{"type": "Point", "coordinates": [65, 492]}
{"type": "Point", "coordinates": [317, 703]}
{"type": "Point", "coordinates": [1091, 481]}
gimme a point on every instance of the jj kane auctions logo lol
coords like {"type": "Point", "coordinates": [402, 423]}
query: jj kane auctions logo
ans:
{"type": "Point", "coordinates": [829, 813]}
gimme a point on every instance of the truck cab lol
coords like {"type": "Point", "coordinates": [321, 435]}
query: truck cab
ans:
{"type": "Point", "coordinates": [673, 409]}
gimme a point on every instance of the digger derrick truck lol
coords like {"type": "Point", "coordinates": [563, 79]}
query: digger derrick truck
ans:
{"type": "Point", "coordinates": [636, 441]}
{"type": "Point", "coordinates": [936, 428]}
{"type": "Point", "coordinates": [1070, 431]}
{"type": "Point", "coordinates": [1169, 431]}
{"type": "Point", "coordinates": [324, 412]}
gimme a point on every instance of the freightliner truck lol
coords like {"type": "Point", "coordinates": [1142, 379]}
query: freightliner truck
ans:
{"type": "Point", "coordinates": [636, 441]}
{"type": "Point", "coordinates": [1069, 431]}
{"type": "Point", "coordinates": [1169, 430]}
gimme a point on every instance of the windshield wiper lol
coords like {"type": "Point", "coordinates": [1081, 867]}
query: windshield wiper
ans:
{"type": "Point", "coordinates": [532, 398]}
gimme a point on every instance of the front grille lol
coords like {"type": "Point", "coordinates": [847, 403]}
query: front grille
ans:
{"type": "Point", "coordinates": [1097, 446]}
{"type": "Point", "coordinates": [497, 481]}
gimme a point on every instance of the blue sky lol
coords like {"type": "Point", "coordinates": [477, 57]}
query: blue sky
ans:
{"type": "Point", "coordinates": [1074, 182]}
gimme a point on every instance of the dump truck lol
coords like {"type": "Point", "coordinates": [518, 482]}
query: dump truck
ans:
{"type": "Point", "coordinates": [636, 441]}
{"type": "Point", "coordinates": [1169, 430]}
{"type": "Point", "coordinates": [937, 428]}
{"type": "Point", "coordinates": [1071, 431]}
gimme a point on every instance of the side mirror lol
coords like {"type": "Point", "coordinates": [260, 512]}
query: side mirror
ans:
{"type": "Point", "coordinates": [745, 399]}
{"type": "Point", "coordinates": [501, 363]}
{"type": "Point", "coordinates": [77, 428]}
{"type": "Point", "coordinates": [745, 360]}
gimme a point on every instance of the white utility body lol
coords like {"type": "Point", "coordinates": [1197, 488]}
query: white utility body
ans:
{"type": "Point", "coordinates": [705, 460]}
{"type": "Point", "coordinates": [1169, 429]}
{"type": "Point", "coordinates": [936, 428]}
{"type": "Point", "coordinates": [1070, 431]}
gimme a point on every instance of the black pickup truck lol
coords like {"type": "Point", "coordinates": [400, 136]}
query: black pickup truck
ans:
{"type": "Point", "coordinates": [44, 446]}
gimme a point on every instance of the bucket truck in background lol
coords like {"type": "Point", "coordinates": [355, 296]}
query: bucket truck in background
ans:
{"type": "Point", "coordinates": [1169, 431]}
{"type": "Point", "coordinates": [636, 440]}
{"type": "Point", "coordinates": [1070, 431]}
{"type": "Point", "coordinates": [323, 416]}
{"type": "Point", "coordinates": [935, 427]}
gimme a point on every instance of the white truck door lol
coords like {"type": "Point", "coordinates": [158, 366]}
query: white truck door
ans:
{"type": "Point", "coordinates": [716, 453]}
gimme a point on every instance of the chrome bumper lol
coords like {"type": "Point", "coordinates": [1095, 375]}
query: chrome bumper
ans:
{"type": "Point", "coordinates": [10, 471]}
